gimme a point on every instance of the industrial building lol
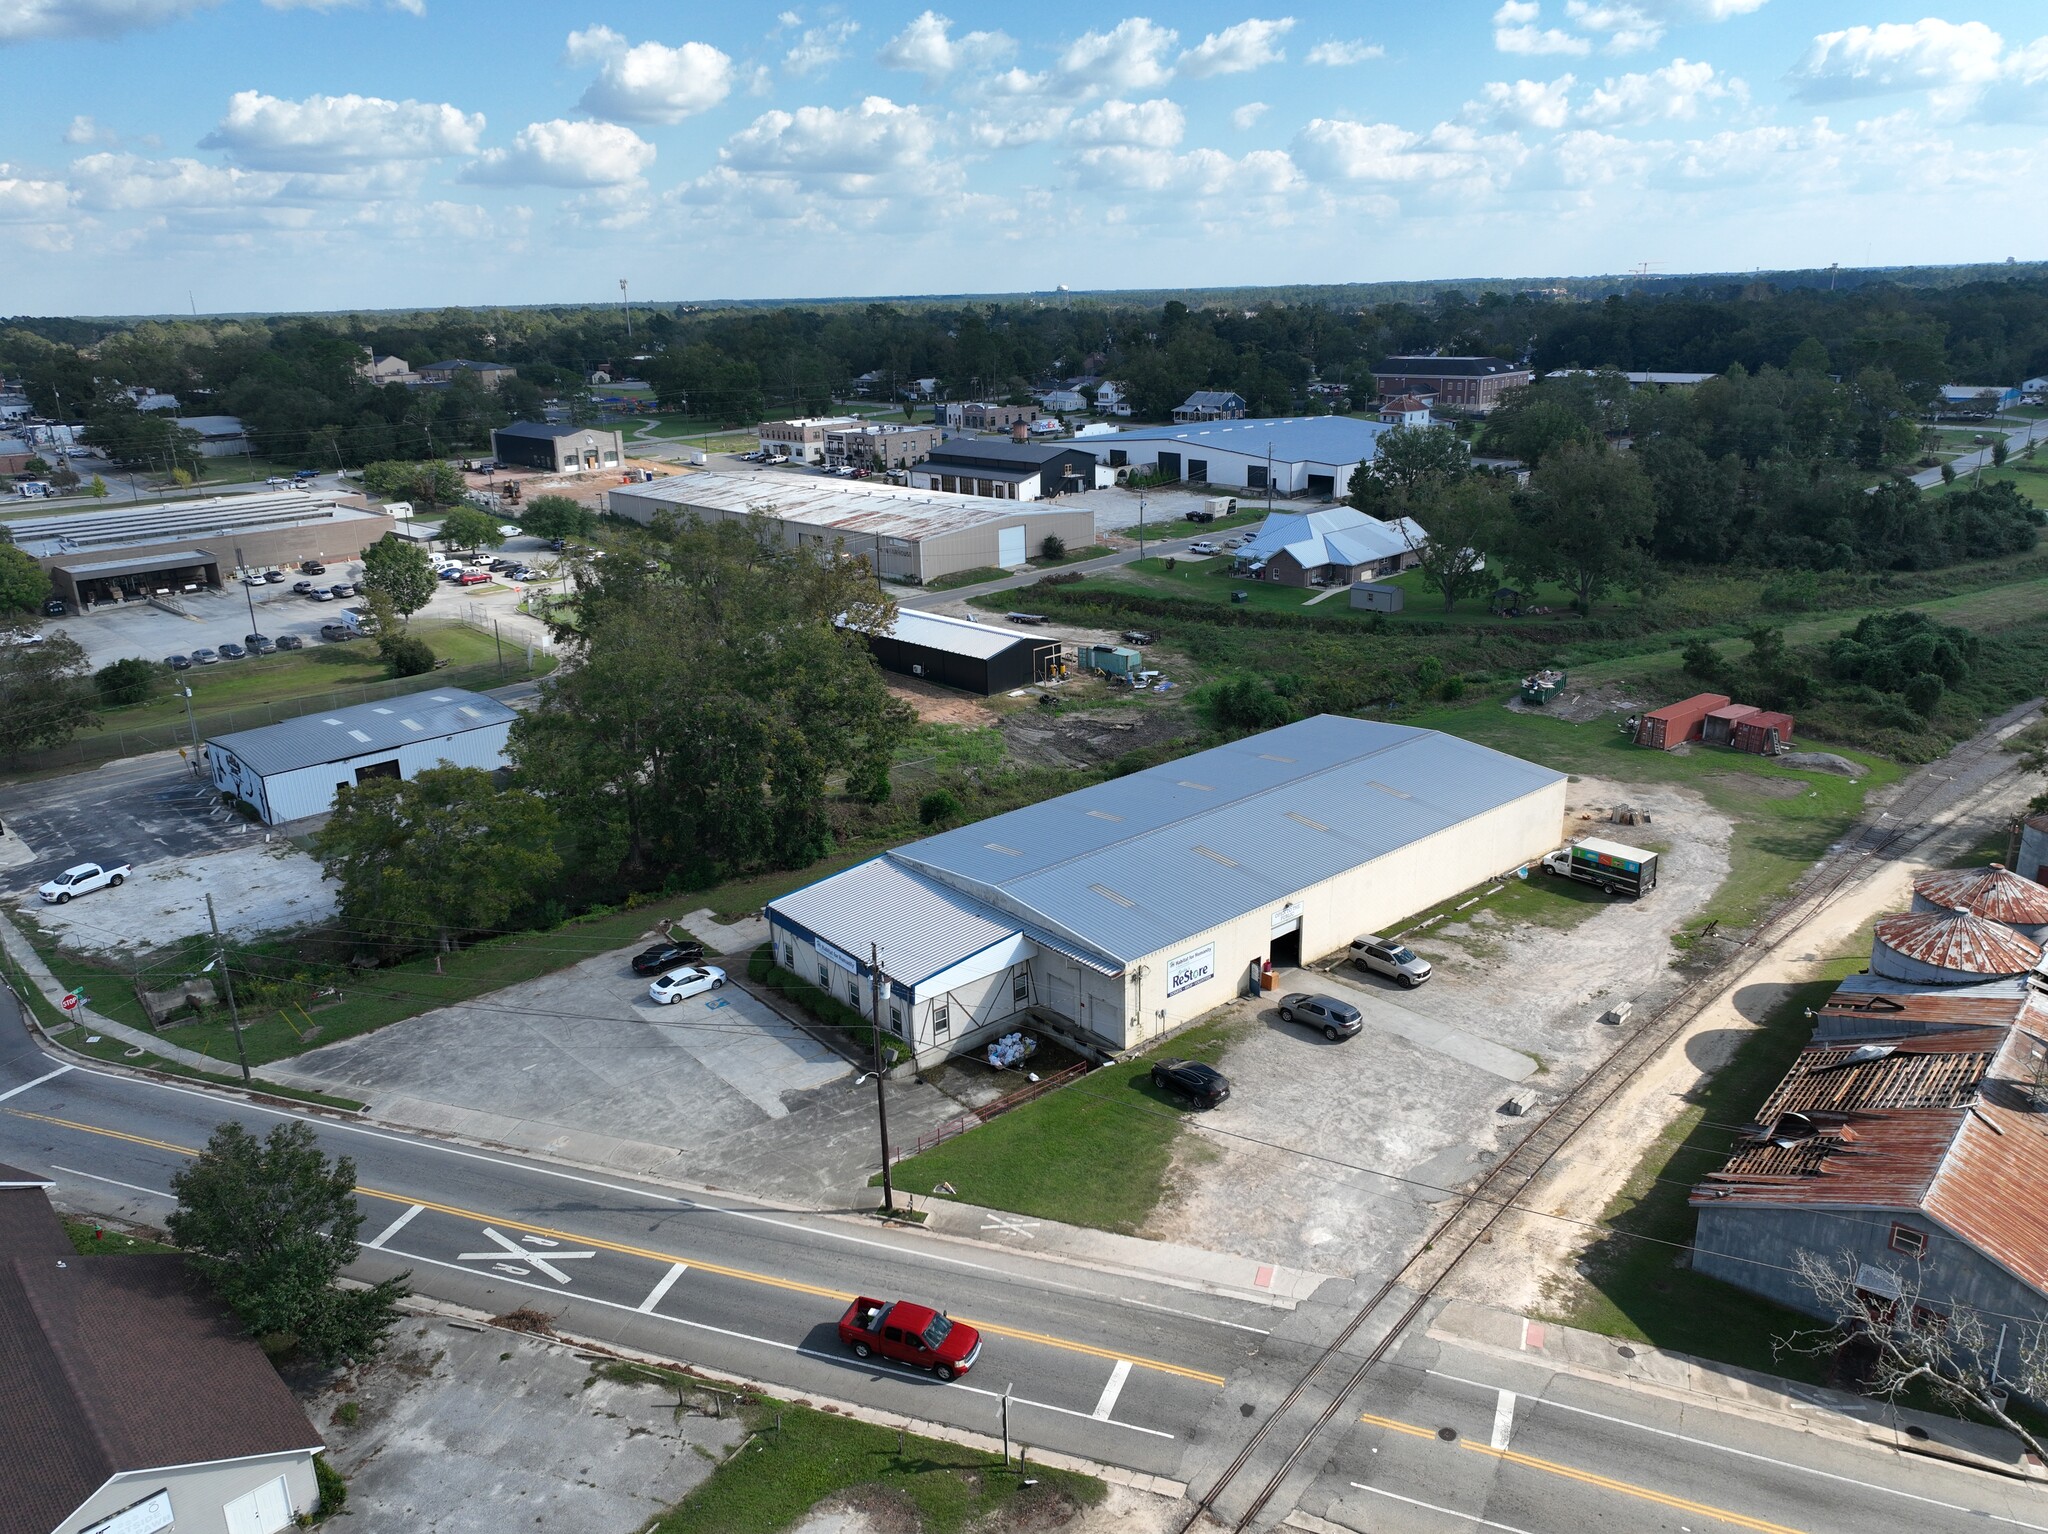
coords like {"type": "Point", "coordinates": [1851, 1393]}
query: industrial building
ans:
{"type": "Point", "coordinates": [910, 536]}
{"type": "Point", "coordinates": [1310, 455]}
{"type": "Point", "coordinates": [1330, 548]}
{"type": "Point", "coordinates": [1005, 470]}
{"type": "Point", "coordinates": [1995, 893]}
{"type": "Point", "coordinates": [1120, 911]}
{"type": "Point", "coordinates": [956, 652]}
{"type": "Point", "coordinates": [288, 770]}
{"type": "Point", "coordinates": [802, 438]}
{"type": "Point", "coordinates": [556, 449]}
{"type": "Point", "coordinates": [133, 553]}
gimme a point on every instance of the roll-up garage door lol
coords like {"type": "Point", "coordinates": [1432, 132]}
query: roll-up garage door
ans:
{"type": "Point", "coordinates": [1010, 547]}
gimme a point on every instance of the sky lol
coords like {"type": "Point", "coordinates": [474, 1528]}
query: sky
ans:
{"type": "Point", "coordinates": [234, 155]}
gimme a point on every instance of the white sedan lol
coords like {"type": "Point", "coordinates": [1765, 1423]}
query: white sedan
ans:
{"type": "Point", "coordinates": [692, 980]}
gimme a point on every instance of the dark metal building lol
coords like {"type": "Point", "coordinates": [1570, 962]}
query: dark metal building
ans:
{"type": "Point", "coordinates": [1018, 471]}
{"type": "Point", "coordinates": [953, 652]}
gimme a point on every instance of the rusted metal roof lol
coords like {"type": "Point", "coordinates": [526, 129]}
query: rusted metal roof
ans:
{"type": "Point", "coordinates": [1995, 893]}
{"type": "Point", "coordinates": [1733, 712]}
{"type": "Point", "coordinates": [1959, 941]}
{"type": "Point", "coordinates": [1992, 1190]}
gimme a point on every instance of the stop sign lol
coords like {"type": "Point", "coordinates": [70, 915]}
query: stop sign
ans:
{"type": "Point", "coordinates": [71, 999]}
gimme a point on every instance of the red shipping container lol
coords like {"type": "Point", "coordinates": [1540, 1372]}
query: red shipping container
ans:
{"type": "Point", "coordinates": [1761, 734]}
{"type": "Point", "coordinates": [1672, 726]}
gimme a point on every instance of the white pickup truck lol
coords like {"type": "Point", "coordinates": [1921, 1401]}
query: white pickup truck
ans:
{"type": "Point", "coordinates": [83, 877]}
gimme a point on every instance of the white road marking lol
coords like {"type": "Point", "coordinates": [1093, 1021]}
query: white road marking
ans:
{"type": "Point", "coordinates": [1010, 1225]}
{"type": "Point", "coordinates": [802, 1351]}
{"type": "Point", "coordinates": [395, 1226]}
{"type": "Point", "coordinates": [513, 1249]}
{"type": "Point", "coordinates": [1765, 1459]}
{"type": "Point", "coordinates": [1112, 1390]}
{"type": "Point", "coordinates": [17, 1091]}
{"type": "Point", "coordinates": [1473, 1518]}
{"type": "Point", "coordinates": [1503, 1419]}
{"type": "Point", "coordinates": [668, 1280]}
{"type": "Point", "coordinates": [74, 1172]}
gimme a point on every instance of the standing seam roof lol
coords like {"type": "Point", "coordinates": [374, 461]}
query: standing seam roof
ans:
{"type": "Point", "coordinates": [312, 739]}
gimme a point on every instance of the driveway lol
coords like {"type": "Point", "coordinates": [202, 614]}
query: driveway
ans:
{"type": "Point", "coordinates": [581, 1065]}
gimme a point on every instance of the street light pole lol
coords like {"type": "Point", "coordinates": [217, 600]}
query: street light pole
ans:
{"type": "Point", "coordinates": [188, 716]}
{"type": "Point", "coordinates": [248, 590]}
{"type": "Point", "coordinates": [1141, 524]}
{"type": "Point", "coordinates": [220, 957]}
{"type": "Point", "coordinates": [881, 1102]}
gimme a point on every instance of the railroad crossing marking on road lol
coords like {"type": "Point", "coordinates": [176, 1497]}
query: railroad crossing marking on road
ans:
{"type": "Point", "coordinates": [513, 1249]}
{"type": "Point", "coordinates": [1010, 1225]}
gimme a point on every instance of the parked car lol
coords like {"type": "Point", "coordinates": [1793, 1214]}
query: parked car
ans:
{"type": "Point", "coordinates": [1137, 636]}
{"type": "Point", "coordinates": [290, 642]}
{"type": "Point", "coordinates": [252, 579]}
{"type": "Point", "coordinates": [693, 980]}
{"type": "Point", "coordinates": [522, 573]}
{"type": "Point", "coordinates": [232, 652]}
{"type": "Point", "coordinates": [320, 594]}
{"type": "Point", "coordinates": [342, 589]}
{"type": "Point", "coordinates": [275, 577]}
{"type": "Point", "coordinates": [178, 662]}
{"type": "Point", "coordinates": [54, 608]}
{"type": "Point", "coordinates": [339, 633]}
{"type": "Point", "coordinates": [910, 1334]}
{"type": "Point", "coordinates": [205, 657]}
{"type": "Point", "coordinates": [302, 588]}
{"type": "Point", "coordinates": [473, 578]}
{"type": "Point", "coordinates": [81, 877]}
{"type": "Point", "coordinates": [663, 957]}
{"type": "Point", "coordinates": [305, 474]}
{"type": "Point", "coordinates": [502, 564]}
{"type": "Point", "coordinates": [1382, 956]}
{"type": "Point", "coordinates": [1199, 1085]}
{"type": "Point", "coordinates": [1203, 546]}
{"type": "Point", "coordinates": [449, 572]}
{"type": "Point", "coordinates": [259, 644]}
{"type": "Point", "coordinates": [313, 567]}
{"type": "Point", "coordinates": [1337, 1019]}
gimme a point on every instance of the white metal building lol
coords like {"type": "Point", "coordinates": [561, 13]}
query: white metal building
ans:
{"type": "Point", "coordinates": [1133, 906]}
{"type": "Point", "coordinates": [291, 769]}
{"type": "Point", "coordinates": [1310, 455]}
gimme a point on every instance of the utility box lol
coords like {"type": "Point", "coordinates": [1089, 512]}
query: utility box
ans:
{"type": "Point", "coordinates": [1376, 597]}
{"type": "Point", "coordinates": [1115, 660]}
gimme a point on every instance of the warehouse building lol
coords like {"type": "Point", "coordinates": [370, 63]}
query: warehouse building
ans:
{"type": "Point", "coordinates": [909, 535]}
{"type": "Point", "coordinates": [1125, 909]}
{"type": "Point", "coordinates": [288, 770]}
{"type": "Point", "coordinates": [133, 553]}
{"type": "Point", "coordinates": [1311, 456]}
{"type": "Point", "coordinates": [1006, 470]}
{"type": "Point", "coordinates": [556, 449]}
{"type": "Point", "coordinates": [956, 652]}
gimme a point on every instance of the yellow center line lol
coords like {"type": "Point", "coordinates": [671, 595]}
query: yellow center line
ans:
{"type": "Point", "coordinates": [744, 1275]}
{"type": "Point", "coordinates": [1606, 1483]}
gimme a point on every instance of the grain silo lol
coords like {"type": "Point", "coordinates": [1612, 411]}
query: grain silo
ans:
{"type": "Point", "coordinates": [2034, 849]}
{"type": "Point", "coordinates": [1949, 948]}
{"type": "Point", "coordinates": [1995, 893]}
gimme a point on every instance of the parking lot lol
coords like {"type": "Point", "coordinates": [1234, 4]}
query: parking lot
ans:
{"type": "Point", "coordinates": [581, 1064]}
{"type": "Point", "coordinates": [142, 809]}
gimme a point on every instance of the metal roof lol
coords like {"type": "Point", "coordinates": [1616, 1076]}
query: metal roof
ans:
{"type": "Point", "coordinates": [547, 432]}
{"type": "Point", "coordinates": [1995, 893]}
{"type": "Point", "coordinates": [108, 569]}
{"type": "Point", "coordinates": [1958, 941]}
{"type": "Point", "coordinates": [866, 511]}
{"type": "Point", "coordinates": [1000, 449]}
{"type": "Point", "coordinates": [219, 516]}
{"type": "Point", "coordinates": [1329, 439]}
{"type": "Point", "coordinates": [1447, 367]}
{"type": "Point", "coordinates": [1141, 862]}
{"type": "Point", "coordinates": [314, 739]}
{"type": "Point", "coordinates": [956, 636]}
{"type": "Point", "coordinates": [1341, 536]}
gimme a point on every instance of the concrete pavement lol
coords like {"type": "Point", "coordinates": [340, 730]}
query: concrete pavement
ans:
{"type": "Point", "coordinates": [2016, 438]}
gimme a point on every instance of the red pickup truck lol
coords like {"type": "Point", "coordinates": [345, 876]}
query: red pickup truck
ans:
{"type": "Point", "coordinates": [910, 1334]}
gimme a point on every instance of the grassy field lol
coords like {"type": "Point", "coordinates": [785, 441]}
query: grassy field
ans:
{"type": "Point", "coordinates": [1095, 1152]}
{"type": "Point", "coordinates": [1181, 527]}
{"type": "Point", "coordinates": [1212, 579]}
{"type": "Point", "coordinates": [796, 1457]}
{"type": "Point", "coordinates": [2030, 477]}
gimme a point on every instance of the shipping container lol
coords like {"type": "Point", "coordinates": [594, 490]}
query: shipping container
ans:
{"type": "Point", "coordinates": [1763, 733]}
{"type": "Point", "coordinates": [1718, 729]}
{"type": "Point", "coordinates": [1672, 726]}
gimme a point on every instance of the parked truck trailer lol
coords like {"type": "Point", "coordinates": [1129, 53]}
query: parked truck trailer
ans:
{"type": "Point", "coordinates": [1621, 870]}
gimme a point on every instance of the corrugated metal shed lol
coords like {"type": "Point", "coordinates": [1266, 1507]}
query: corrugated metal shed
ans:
{"type": "Point", "coordinates": [1955, 943]}
{"type": "Point", "coordinates": [1995, 893]}
{"type": "Point", "coordinates": [1143, 861]}
{"type": "Point", "coordinates": [921, 927]}
{"type": "Point", "coordinates": [866, 512]}
{"type": "Point", "coordinates": [314, 739]}
{"type": "Point", "coordinates": [1329, 439]}
{"type": "Point", "coordinates": [957, 636]}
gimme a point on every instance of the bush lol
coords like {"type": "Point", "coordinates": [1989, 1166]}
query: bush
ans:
{"type": "Point", "coordinates": [1923, 693]}
{"type": "Point", "coordinates": [1796, 591]}
{"type": "Point", "coordinates": [131, 680]}
{"type": "Point", "coordinates": [937, 808]}
{"type": "Point", "coordinates": [822, 1006]}
{"type": "Point", "coordinates": [333, 1489]}
{"type": "Point", "coordinates": [1246, 704]}
{"type": "Point", "coordinates": [405, 655]}
{"type": "Point", "coordinates": [1054, 547]}
{"type": "Point", "coordinates": [1702, 660]}
{"type": "Point", "coordinates": [1452, 690]}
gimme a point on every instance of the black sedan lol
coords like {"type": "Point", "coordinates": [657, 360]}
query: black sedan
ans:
{"type": "Point", "coordinates": [1198, 1085]}
{"type": "Point", "coordinates": [1337, 1019]}
{"type": "Point", "coordinates": [290, 642]}
{"type": "Point", "coordinates": [54, 608]}
{"type": "Point", "coordinates": [313, 567]}
{"type": "Point", "coordinates": [232, 652]}
{"type": "Point", "coordinates": [663, 957]}
{"type": "Point", "coordinates": [178, 662]}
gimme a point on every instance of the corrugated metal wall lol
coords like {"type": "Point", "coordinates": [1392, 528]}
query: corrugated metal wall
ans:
{"type": "Point", "coordinates": [310, 790]}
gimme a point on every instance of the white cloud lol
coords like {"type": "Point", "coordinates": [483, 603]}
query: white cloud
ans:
{"type": "Point", "coordinates": [25, 199]}
{"type": "Point", "coordinates": [410, 7]}
{"type": "Point", "coordinates": [1588, 158]}
{"type": "Point", "coordinates": [1674, 93]}
{"type": "Point", "coordinates": [1940, 56]}
{"type": "Point", "coordinates": [649, 82]}
{"type": "Point", "coordinates": [83, 130]}
{"type": "Point", "coordinates": [1263, 173]}
{"type": "Point", "coordinates": [1238, 49]}
{"type": "Point", "coordinates": [1774, 155]}
{"type": "Point", "coordinates": [1336, 55]}
{"type": "Point", "coordinates": [1515, 31]}
{"type": "Point", "coordinates": [2019, 94]}
{"type": "Point", "coordinates": [24, 20]}
{"type": "Point", "coordinates": [1525, 103]}
{"type": "Point", "coordinates": [819, 46]}
{"type": "Point", "coordinates": [126, 182]}
{"type": "Point", "coordinates": [1011, 123]}
{"type": "Point", "coordinates": [927, 47]}
{"type": "Point", "coordinates": [325, 133]}
{"type": "Point", "coordinates": [1629, 28]}
{"type": "Point", "coordinates": [1158, 124]}
{"type": "Point", "coordinates": [867, 147]}
{"type": "Point", "coordinates": [562, 153]}
{"type": "Point", "coordinates": [1249, 113]}
{"type": "Point", "coordinates": [1128, 57]}
{"type": "Point", "coordinates": [1355, 153]}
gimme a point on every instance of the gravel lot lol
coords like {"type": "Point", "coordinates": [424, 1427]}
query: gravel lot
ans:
{"type": "Point", "coordinates": [1280, 1173]}
{"type": "Point", "coordinates": [256, 889]}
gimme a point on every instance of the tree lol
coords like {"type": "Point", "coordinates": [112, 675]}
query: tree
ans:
{"type": "Point", "coordinates": [97, 488]}
{"type": "Point", "coordinates": [1408, 462]}
{"type": "Point", "coordinates": [23, 586]}
{"type": "Point", "coordinates": [36, 467]}
{"type": "Point", "coordinates": [1588, 513]}
{"type": "Point", "coordinates": [430, 483]}
{"type": "Point", "coordinates": [400, 572]}
{"type": "Point", "coordinates": [1053, 549]}
{"type": "Point", "coordinates": [1460, 523]}
{"type": "Point", "coordinates": [271, 1224]}
{"type": "Point", "coordinates": [1998, 455]}
{"type": "Point", "coordinates": [45, 694]}
{"type": "Point", "coordinates": [557, 516]}
{"type": "Point", "coordinates": [435, 857]}
{"type": "Point", "coordinates": [129, 680]}
{"type": "Point", "coordinates": [63, 479]}
{"type": "Point", "coordinates": [467, 528]}
{"type": "Point", "coordinates": [1915, 1339]}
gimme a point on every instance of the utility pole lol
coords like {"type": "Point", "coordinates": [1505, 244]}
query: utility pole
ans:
{"type": "Point", "coordinates": [187, 692]}
{"type": "Point", "coordinates": [881, 1102]}
{"type": "Point", "coordinates": [220, 957]}
{"type": "Point", "coordinates": [1141, 524]}
{"type": "Point", "coordinates": [628, 308]}
{"type": "Point", "coordinates": [248, 590]}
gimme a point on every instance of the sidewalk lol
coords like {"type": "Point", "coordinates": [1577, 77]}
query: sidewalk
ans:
{"type": "Point", "coordinates": [31, 962]}
{"type": "Point", "coordinates": [1798, 1408]}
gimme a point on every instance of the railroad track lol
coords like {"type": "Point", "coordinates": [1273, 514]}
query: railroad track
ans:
{"type": "Point", "coordinates": [1893, 830]}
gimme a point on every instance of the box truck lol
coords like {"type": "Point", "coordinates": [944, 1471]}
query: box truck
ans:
{"type": "Point", "coordinates": [1621, 870]}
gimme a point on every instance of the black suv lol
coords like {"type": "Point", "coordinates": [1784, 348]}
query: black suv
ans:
{"type": "Point", "coordinates": [663, 957]}
{"type": "Point", "coordinates": [1337, 1019]}
{"type": "Point", "coordinates": [1199, 1085]}
{"type": "Point", "coordinates": [54, 608]}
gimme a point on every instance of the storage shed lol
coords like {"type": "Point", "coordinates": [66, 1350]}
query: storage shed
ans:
{"type": "Point", "coordinates": [1949, 948]}
{"type": "Point", "coordinates": [1670, 727]}
{"type": "Point", "coordinates": [1763, 733]}
{"type": "Point", "coordinates": [1376, 597]}
{"type": "Point", "coordinates": [1718, 728]}
{"type": "Point", "coordinates": [956, 652]}
{"type": "Point", "coordinates": [1995, 893]}
{"type": "Point", "coordinates": [291, 769]}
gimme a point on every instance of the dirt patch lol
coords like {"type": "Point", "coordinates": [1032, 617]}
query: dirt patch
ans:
{"type": "Point", "coordinates": [255, 889]}
{"type": "Point", "coordinates": [1049, 738]}
{"type": "Point", "coordinates": [1582, 705]}
{"type": "Point", "coordinates": [1762, 787]}
{"type": "Point", "coordinates": [940, 705]}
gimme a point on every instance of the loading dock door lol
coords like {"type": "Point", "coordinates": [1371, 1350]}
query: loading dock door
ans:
{"type": "Point", "coordinates": [1010, 547]}
{"type": "Point", "coordinates": [1060, 998]}
{"type": "Point", "coordinates": [1169, 466]}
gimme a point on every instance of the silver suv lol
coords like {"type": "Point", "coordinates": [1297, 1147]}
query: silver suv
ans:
{"type": "Point", "coordinates": [1383, 956]}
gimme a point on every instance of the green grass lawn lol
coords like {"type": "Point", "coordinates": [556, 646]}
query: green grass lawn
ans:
{"type": "Point", "coordinates": [2031, 478]}
{"type": "Point", "coordinates": [797, 1457]}
{"type": "Point", "coordinates": [1213, 579]}
{"type": "Point", "coordinates": [1181, 527]}
{"type": "Point", "coordinates": [972, 577]}
{"type": "Point", "coordinates": [93, 1238]}
{"type": "Point", "coordinates": [1095, 1152]}
{"type": "Point", "coordinates": [1072, 557]}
